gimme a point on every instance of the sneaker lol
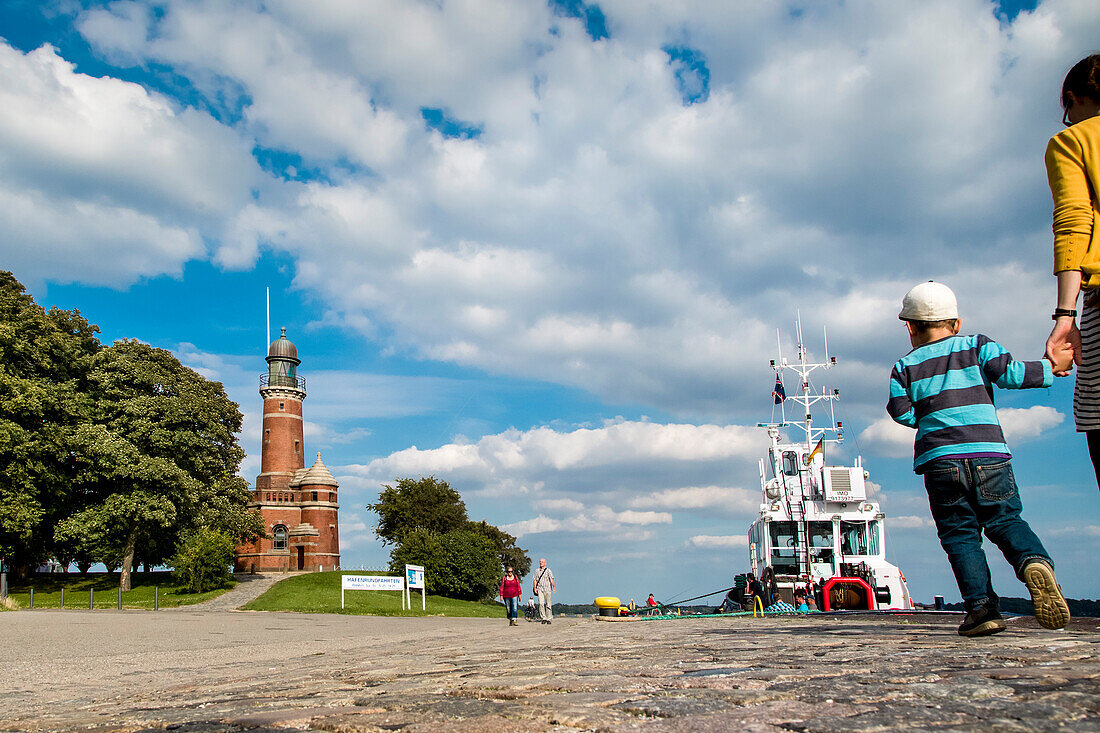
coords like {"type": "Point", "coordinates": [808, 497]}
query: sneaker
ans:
{"type": "Point", "coordinates": [982, 621]}
{"type": "Point", "coordinates": [1051, 610]}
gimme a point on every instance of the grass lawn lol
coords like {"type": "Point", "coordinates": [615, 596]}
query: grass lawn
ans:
{"type": "Point", "coordinates": [320, 593]}
{"type": "Point", "coordinates": [47, 591]}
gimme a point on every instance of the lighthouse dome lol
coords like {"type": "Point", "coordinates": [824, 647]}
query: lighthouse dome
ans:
{"type": "Point", "coordinates": [283, 348]}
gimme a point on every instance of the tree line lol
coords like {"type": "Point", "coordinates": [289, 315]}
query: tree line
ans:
{"type": "Point", "coordinates": [426, 522]}
{"type": "Point", "coordinates": [115, 454]}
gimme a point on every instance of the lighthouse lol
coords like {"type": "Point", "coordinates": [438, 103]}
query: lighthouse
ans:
{"type": "Point", "coordinates": [298, 504]}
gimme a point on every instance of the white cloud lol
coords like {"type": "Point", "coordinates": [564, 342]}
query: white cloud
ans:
{"type": "Point", "coordinates": [1027, 423]}
{"type": "Point", "coordinates": [724, 500]}
{"type": "Point", "coordinates": [105, 182]}
{"type": "Point", "coordinates": [887, 437]}
{"type": "Point", "coordinates": [711, 541]}
{"type": "Point", "coordinates": [560, 505]}
{"type": "Point", "coordinates": [601, 520]}
{"type": "Point", "coordinates": [595, 230]}
{"type": "Point", "coordinates": [536, 525]}
{"type": "Point", "coordinates": [1085, 530]}
{"type": "Point", "coordinates": [583, 452]}
{"type": "Point", "coordinates": [909, 522]}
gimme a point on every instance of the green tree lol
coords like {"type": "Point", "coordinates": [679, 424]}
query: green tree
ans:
{"type": "Point", "coordinates": [424, 504]}
{"type": "Point", "coordinates": [203, 559]}
{"type": "Point", "coordinates": [45, 357]}
{"type": "Point", "coordinates": [107, 454]}
{"type": "Point", "coordinates": [457, 564]}
{"type": "Point", "coordinates": [505, 545]}
{"type": "Point", "coordinates": [159, 462]}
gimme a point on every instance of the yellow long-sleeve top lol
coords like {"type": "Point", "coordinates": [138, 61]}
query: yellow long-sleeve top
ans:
{"type": "Point", "coordinates": [1073, 171]}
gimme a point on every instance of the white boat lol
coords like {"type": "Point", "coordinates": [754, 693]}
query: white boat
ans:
{"type": "Point", "coordinates": [816, 520]}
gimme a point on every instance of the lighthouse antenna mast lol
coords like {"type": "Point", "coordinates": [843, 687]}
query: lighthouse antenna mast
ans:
{"type": "Point", "coordinates": [267, 344]}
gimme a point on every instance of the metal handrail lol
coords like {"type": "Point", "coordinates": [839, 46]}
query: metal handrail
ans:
{"type": "Point", "coordinates": [281, 380]}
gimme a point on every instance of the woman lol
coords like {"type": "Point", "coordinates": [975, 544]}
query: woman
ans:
{"type": "Point", "coordinates": [1073, 171]}
{"type": "Point", "coordinates": [510, 592]}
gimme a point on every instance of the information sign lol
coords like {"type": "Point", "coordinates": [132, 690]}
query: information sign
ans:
{"type": "Point", "coordinates": [371, 582]}
{"type": "Point", "coordinates": [414, 578]}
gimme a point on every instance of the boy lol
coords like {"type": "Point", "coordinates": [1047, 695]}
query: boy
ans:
{"type": "Point", "coordinates": [944, 389]}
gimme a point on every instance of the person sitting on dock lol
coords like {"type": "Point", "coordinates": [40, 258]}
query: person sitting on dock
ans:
{"type": "Point", "coordinates": [779, 606]}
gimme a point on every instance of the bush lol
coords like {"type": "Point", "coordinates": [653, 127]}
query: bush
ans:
{"type": "Point", "coordinates": [458, 564]}
{"type": "Point", "coordinates": [202, 561]}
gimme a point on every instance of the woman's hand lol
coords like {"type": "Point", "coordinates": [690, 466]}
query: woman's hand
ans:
{"type": "Point", "coordinates": [1064, 334]}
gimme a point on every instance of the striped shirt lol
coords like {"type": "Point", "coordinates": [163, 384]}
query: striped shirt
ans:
{"type": "Point", "coordinates": [944, 389]}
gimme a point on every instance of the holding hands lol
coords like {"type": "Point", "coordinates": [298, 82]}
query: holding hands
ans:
{"type": "Point", "coordinates": [1064, 346]}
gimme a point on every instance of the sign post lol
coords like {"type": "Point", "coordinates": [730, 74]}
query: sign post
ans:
{"type": "Point", "coordinates": [414, 578]}
{"type": "Point", "coordinates": [370, 582]}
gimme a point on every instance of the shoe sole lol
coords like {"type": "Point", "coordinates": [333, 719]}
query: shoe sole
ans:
{"type": "Point", "coordinates": [993, 626]}
{"type": "Point", "coordinates": [1051, 610]}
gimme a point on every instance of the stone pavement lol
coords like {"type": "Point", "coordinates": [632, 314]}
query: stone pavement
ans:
{"type": "Point", "coordinates": [200, 671]}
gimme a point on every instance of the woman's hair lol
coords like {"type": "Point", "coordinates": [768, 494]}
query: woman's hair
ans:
{"type": "Point", "coordinates": [1083, 80]}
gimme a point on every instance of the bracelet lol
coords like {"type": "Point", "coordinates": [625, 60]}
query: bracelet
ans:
{"type": "Point", "coordinates": [1060, 312]}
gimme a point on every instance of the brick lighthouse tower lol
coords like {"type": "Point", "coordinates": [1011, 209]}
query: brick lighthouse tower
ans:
{"type": "Point", "coordinates": [298, 504]}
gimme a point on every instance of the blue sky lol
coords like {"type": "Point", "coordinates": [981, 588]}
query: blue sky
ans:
{"type": "Point", "coordinates": [542, 250]}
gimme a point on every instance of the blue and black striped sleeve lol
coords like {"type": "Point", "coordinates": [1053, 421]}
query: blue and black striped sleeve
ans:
{"type": "Point", "coordinates": [900, 407]}
{"type": "Point", "coordinates": [1008, 373]}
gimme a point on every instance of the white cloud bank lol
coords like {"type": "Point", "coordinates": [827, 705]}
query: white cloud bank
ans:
{"type": "Point", "coordinates": [1020, 424]}
{"type": "Point", "coordinates": [710, 541]}
{"type": "Point", "coordinates": [605, 482]}
{"type": "Point", "coordinates": [593, 228]}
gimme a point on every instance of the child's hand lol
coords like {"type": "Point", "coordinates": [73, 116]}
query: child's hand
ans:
{"type": "Point", "coordinates": [1061, 359]}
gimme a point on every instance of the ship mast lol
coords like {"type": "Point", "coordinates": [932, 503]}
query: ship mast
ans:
{"type": "Point", "coordinates": [805, 396]}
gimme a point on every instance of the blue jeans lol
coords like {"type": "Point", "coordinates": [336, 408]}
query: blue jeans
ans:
{"type": "Point", "coordinates": [511, 607]}
{"type": "Point", "coordinates": [968, 495]}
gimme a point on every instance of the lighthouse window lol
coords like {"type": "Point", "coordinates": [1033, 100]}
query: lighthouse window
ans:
{"type": "Point", "coordinates": [282, 406]}
{"type": "Point", "coordinates": [315, 496]}
{"type": "Point", "coordinates": [296, 447]}
{"type": "Point", "coordinates": [278, 537]}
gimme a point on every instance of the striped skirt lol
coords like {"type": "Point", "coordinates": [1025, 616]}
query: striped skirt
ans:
{"type": "Point", "coordinates": [1086, 390]}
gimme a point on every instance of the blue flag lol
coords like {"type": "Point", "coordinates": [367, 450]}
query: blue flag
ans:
{"type": "Point", "coordinates": [778, 394]}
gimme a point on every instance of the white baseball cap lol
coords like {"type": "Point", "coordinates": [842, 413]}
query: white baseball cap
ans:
{"type": "Point", "coordinates": [930, 301]}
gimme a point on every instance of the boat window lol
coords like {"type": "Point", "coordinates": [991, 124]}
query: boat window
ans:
{"type": "Point", "coordinates": [790, 463]}
{"type": "Point", "coordinates": [783, 559]}
{"type": "Point", "coordinates": [873, 528]}
{"type": "Point", "coordinates": [853, 538]}
{"type": "Point", "coordinates": [821, 534]}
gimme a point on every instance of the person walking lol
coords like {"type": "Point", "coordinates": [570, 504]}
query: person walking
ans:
{"type": "Point", "coordinates": [510, 592]}
{"type": "Point", "coordinates": [1073, 172]}
{"type": "Point", "coordinates": [544, 588]}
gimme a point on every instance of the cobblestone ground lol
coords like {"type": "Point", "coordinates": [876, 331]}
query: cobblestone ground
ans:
{"type": "Point", "coordinates": [216, 671]}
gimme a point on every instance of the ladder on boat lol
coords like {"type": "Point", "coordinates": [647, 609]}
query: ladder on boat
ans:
{"type": "Point", "coordinates": [801, 543]}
